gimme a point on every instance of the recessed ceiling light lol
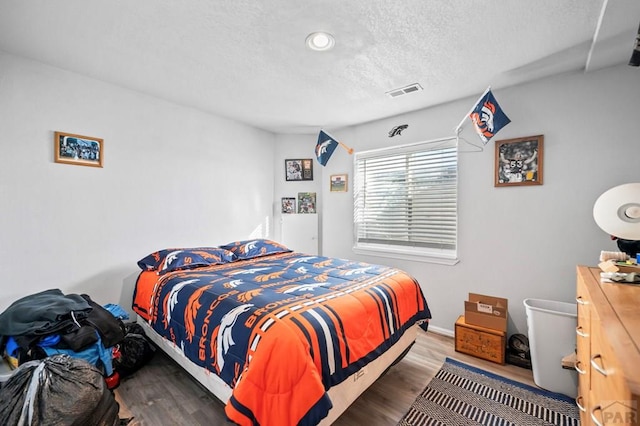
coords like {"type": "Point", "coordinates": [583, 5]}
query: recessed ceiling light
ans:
{"type": "Point", "coordinates": [320, 41]}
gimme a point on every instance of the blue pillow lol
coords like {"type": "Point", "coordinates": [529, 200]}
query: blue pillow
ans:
{"type": "Point", "coordinates": [176, 259]}
{"type": "Point", "coordinates": [248, 249]}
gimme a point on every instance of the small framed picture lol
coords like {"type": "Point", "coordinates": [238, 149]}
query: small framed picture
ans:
{"type": "Point", "coordinates": [306, 202]}
{"type": "Point", "coordinates": [339, 183]}
{"type": "Point", "coordinates": [77, 149]}
{"type": "Point", "coordinates": [519, 161]}
{"type": "Point", "coordinates": [288, 205]}
{"type": "Point", "coordinates": [299, 169]}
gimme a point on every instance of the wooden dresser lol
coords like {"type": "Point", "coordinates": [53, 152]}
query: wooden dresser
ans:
{"type": "Point", "coordinates": [608, 350]}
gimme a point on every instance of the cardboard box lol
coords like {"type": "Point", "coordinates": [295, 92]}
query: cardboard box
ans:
{"type": "Point", "coordinates": [480, 342]}
{"type": "Point", "coordinates": [486, 311]}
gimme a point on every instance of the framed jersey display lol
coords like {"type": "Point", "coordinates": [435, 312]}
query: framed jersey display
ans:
{"type": "Point", "coordinates": [519, 161]}
{"type": "Point", "coordinates": [299, 169]}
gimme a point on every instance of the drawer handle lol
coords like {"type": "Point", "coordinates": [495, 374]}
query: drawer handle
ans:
{"type": "Point", "coordinates": [580, 406]}
{"type": "Point", "coordinates": [593, 415]}
{"type": "Point", "coordinates": [578, 368]}
{"type": "Point", "coordinates": [580, 333]}
{"type": "Point", "coordinates": [581, 302]}
{"type": "Point", "coordinates": [598, 368]}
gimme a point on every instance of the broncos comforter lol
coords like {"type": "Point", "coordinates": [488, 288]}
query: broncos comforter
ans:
{"type": "Point", "coordinates": [281, 329]}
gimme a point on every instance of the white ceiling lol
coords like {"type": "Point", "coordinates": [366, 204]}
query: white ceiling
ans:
{"type": "Point", "coordinates": [246, 59]}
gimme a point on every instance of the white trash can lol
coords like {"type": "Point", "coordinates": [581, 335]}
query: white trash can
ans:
{"type": "Point", "coordinates": [552, 336]}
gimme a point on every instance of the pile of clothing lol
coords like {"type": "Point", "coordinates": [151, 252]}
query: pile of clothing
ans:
{"type": "Point", "coordinates": [62, 348]}
{"type": "Point", "coordinates": [51, 323]}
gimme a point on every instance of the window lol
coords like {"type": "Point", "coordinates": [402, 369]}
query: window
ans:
{"type": "Point", "coordinates": [405, 201]}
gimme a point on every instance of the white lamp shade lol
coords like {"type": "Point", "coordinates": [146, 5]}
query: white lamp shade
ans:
{"type": "Point", "coordinates": [617, 211]}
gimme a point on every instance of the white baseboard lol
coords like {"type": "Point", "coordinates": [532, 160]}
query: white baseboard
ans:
{"type": "Point", "coordinates": [443, 331]}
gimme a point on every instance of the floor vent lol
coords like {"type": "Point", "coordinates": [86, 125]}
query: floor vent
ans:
{"type": "Point", "coordinates": [404, 90]}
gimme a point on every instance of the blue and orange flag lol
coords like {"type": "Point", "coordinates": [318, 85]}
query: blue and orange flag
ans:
{"type": "Point", "coordinates": [325, 147]}
{"type": "Point", "coordinates": [487, 117]}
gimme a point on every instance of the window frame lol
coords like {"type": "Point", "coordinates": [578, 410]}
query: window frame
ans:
{"type": "Point", "coordinates": [398, 251]}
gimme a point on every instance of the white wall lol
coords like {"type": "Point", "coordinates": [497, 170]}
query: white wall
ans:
{"type": "Point", "coordinates": [176, 176]}
{"type": "Point", "coordinates": [296, 147]}
{"type": "Point", "coordinates": [514, 242]}
{"type": "Point", "coordinates": [172, 176]}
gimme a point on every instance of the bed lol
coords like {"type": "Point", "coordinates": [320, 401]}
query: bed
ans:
{"type": "Point", "coordinates": [281, 337]}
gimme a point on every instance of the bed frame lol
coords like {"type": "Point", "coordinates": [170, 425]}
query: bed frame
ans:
{"type": "Point", "coordinates": [342, 395]}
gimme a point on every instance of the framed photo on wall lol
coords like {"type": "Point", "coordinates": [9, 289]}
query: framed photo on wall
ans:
{"type": "Point", "coordinates": [339, 183]}
{"type": "Point", "coordinates": [519, 161]}
{"type": "Point", "coordinates": [288, 205]}
{"type": "Point", "coordinates": [298, 169]}
{"type": "Point", "coordinates": [77, 149]}
{"type": "Point", "coordinates": [306, 202]}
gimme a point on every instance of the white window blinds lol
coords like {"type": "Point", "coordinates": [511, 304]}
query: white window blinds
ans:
{"type": "Point", "coordinates": [406, 197]}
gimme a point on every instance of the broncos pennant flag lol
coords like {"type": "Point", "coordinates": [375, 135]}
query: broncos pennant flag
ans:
{"type": "Point", "coordinates": [487, 117]}
{"type": "Point", "coordinates": [325, 147]}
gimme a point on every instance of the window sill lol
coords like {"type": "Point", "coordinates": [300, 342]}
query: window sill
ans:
{"type": "Point", "coordinates": [404, 254]}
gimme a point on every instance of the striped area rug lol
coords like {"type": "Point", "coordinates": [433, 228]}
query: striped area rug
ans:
{"type": "Point", "coordinates": [463, 395]}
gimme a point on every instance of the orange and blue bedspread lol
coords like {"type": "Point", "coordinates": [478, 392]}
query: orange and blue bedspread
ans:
{"type": "Point", "coordinates": [281, 329]}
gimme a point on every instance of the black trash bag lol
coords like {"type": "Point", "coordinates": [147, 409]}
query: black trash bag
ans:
{"type": "Point", "coordinates": [133, 328]}
{"type": "Point", "coordinates": [59, 390]}
{"type": "Point", "coordinates": [134, 351]}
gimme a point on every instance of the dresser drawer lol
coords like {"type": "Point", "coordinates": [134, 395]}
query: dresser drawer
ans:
{"type": "Point", "coordinates": [610, 412]}
{"type": "Point", "coordinates": [583, 347]}
{"type": "Point", "coordinates": [611, 399]}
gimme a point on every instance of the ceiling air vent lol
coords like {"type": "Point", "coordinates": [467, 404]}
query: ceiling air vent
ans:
{"type": "Point", "coordinates": [404, 90]}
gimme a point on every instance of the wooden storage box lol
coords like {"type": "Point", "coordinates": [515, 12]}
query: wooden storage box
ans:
{"type": "Point", "coordinates": [481, 342]}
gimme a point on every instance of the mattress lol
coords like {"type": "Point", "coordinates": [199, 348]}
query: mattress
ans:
{"type": "Point", "coordinates": [278, 336]}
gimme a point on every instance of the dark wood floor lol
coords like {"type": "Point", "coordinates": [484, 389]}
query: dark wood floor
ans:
{"type": "Point", "coordinates": [161, 393]}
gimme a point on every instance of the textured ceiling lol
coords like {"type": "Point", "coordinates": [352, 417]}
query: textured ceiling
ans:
{"type": "Point", "coordinates": [247, 60]}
